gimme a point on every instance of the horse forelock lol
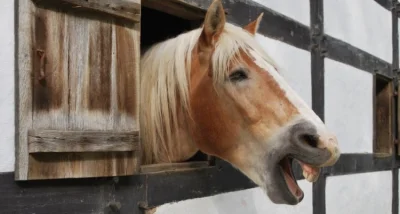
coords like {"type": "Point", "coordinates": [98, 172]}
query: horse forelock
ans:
{"type": "Point", "coordinates": [165, 72]}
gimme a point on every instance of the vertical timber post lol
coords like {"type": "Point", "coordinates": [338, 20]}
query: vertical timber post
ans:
{"type": "Point", "coordinates": [318, 92]}
{"type": "Point", "coordinates": [395, 70]}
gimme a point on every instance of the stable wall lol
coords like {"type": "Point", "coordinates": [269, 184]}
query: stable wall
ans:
{"type": "Point", "coordinates": [348, 107]}
{"type": "Point", "coordinates": [348, 91]}
{"type": "Point", "coordinates": [348, 112]}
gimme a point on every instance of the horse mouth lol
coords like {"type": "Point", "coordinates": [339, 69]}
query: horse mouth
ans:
{"type": "Point", "coordinates": [294, 193]}
{"type": "Point", "coordinates": [306, 148]}
{"type": "Point", "coordinates": [286, 170]}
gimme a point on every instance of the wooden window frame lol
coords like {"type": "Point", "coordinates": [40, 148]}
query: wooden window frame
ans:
{"type": "Point", "coordinates": [383, 116]}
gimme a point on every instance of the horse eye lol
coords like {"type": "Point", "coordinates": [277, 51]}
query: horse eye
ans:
{"type": "Point", "coordinates": [238, 75]}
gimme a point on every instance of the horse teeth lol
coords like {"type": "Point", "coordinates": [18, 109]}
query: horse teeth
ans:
{"type": "Point", "coordinates": [310, 177]}
{"type": "Point", "coordinates": [306, 175]}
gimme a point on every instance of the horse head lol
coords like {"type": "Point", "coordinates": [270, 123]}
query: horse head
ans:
{"type": "Point", "coordinates": [214, 89]}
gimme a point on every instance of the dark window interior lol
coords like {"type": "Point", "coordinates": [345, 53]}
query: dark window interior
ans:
{"type": "Point", "coordinates": [157, 26]}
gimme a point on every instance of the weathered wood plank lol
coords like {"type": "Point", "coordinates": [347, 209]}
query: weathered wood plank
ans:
{"type": "Point", "coordinates": [120, 9]}
{"type": "Point", "coordinates": [81, 141]}
{"type": "Point", "coordinates": [180, 8]}
{"type": "Point", "coordinates": [81, 165]}
{"type": "Point", "coordinates": [50, 89]}
{"type": "Point", "coordinates": [48, 67]}
{"type": "Point", "coordinates": [383, 136]}
{"type": "Point", "coordinates": [127, 62]}
{"type": "Point", "coordinates": [24, 86]}
{"type": "Point", "coordinates": [98, 71]}
{"type": "Point", "coordinates": [162, 168]}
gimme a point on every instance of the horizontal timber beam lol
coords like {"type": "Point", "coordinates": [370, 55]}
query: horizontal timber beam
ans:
{"type": "Point", "coordinates": [120, 9]}
{"type": "Point", "coordinates": [285, 29]}
{"type": "Point", "coordinates": [153, 189]}
{"type": "Point", "coordinates": [360, 163]}
{"type": "Point", "coordinates": [343, 52]}
{"type": "Point", "coordinates": [387, 4]}
{"type": "Point", "coordinates": [83, 196]}
{"type": "Point", "coordinates": [191, 10]}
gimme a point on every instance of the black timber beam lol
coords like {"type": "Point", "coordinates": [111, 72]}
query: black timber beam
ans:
{"type": "Point", "coordinates": [343, 52]}
{"type": "Point", "coordinates": [318, 89]}
{"type": "Point", "coordinates": [289, 31]}
{"type": "Point", "coordinates": [395, 70]}
{"type": "Point", "coordinates": [387, 4]}
{"type": "Point", "coordinates": [132, 194]}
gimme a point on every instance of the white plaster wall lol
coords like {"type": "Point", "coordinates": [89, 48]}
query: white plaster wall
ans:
{"type": "Point", "coordinates": [7, 86]}
{"type": "Point", "coordinates": [367, 193]}
{"type": "Point", "coordinates": [298, 10]}
{"type": "Point", "coordinates": [348, 106]}
{"type": "Point", "coordinates": [362, 23]}
{"type": "Point", "coordinates": [294, 64]}
{"type": "Point", "coordinates": [251, 201]}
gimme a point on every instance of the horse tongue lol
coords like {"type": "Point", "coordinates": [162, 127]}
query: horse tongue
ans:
{"type": "Point", "coordinates": [310, 173]}
{"type": "Point", "coordinates": [291, 180]}
{"type": "Point", "coordinates": [294, 188]}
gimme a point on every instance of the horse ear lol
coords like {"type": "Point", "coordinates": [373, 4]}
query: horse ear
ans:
{"type": "Point", "coordinates": [252, 27]}
{"type": "Point", "coordinates": [214, 23]}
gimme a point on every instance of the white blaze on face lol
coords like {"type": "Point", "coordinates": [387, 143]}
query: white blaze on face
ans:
{"type": "Point", "coordinates": [304, 110]}
{"type": "Point", "coordinates": [309, 172]}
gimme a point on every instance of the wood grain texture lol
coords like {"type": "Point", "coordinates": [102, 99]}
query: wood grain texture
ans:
{"type": "Point", "coordinates": [82, 141]}
{"type": "Point", "coordinates": [127, 10]}
{"type": "Point", "coordinates": [98, 84]}
{"type": "Point", "coordinates": [383, 104]}
{"type": "Point", "coordinates": [162, 168]}
{"type": "Point", "coordinates": [184, 9]}
{"type": "Point", "coordinates": [74, 87]}
{"type": "Point", "coordinates": [24, 86]}
{"type": "Point", "coordinates": [48, 61]}
{"type": "Point", "coordinates": [126, 64]}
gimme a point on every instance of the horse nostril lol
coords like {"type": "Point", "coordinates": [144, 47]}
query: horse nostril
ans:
{"type": "Point", "coordinates": [311, 140]}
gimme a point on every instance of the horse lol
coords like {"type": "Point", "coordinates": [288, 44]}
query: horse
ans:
{"type": "Point", "coordinates": [215, 90]}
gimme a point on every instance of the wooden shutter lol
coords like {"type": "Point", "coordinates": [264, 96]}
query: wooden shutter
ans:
{"type": "Point", "coordinates": [78, 83]}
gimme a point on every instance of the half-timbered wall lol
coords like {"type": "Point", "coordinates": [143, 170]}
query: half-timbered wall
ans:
{"type": "Point", "coordinates": [359, 184]}
{"type": "Point", "coordinates": [348, 111]}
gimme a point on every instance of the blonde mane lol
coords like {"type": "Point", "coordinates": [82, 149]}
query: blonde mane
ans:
{"type": "Point", "coordinates": [164, 93]}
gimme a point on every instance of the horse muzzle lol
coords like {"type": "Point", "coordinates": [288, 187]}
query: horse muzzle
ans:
{"type": "Point", "coordinates": [312, 146]}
